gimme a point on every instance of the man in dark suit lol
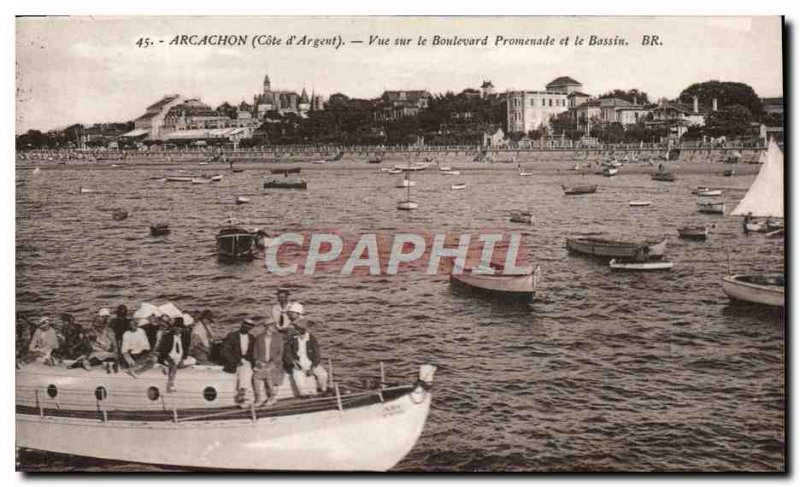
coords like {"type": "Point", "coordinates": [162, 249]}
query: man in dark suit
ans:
{"type": "Point", "coordinates": [237, 357]}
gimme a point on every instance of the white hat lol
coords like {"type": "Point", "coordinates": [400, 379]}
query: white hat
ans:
{"type": "Point", "coordinates": [296, 307]}
{"type": "Point", "coordinates": [45, 320]}
{"type": "Point", "coordinates": [104, 312]}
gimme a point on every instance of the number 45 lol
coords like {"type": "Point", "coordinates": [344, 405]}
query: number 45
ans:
{"type": "Point", "coordinates": [144, 42]}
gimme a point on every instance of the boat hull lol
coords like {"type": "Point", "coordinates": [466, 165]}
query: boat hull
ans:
{"type": "Point", "coordinates": [519, 288]}
{"type": "Point", "coordinates": [714, 208]}
{"type": "Point", "coordinates": [607, 248]}
{"type": "Point", "coordinates": [580, 190]}
{"type": "Point", "coordinates": [640, 266]}
{"type": "Point", "coordinates": [369, 438]}
{"type": "Point", "coordinates": [753, 292]}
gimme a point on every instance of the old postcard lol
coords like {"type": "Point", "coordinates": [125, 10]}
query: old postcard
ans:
{"type": "Point", "coordinates": [426, 244]}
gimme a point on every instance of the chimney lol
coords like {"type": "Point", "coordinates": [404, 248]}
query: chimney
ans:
{"type": "Point", "coordinates": [695, 105]}
{"type": "Point", "coordinates": [634, 100]}
{"type": "Point", "coordinates": [714, 105]}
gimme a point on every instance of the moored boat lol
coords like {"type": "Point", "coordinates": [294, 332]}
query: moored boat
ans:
{"type": "Point", "coordinates": [729, 172]}
{"type": "Point", "coordinates": [584, 189]}
{"type": "Point", "coordinates": [450, 173]}
{"type": "Point", "coordinates": [159, 229]}
{"type": "Point", "coordinates": [694, 232]}
{"type": "Point", "coordinates": [525, 173]}
{"type": "Point", "coordinates": [119, 214]}
{"type": "Point", "coordinates": [407, 205]}
{"type": "Point", "coordinates": [284, 183]}
{"type": "Point", "coordinates": [767, 289]}
{"type": "Point", "coordinates": [119, 417]}
{"type": "Point", "coordinates": [179, 179]}
{"type": "Point", "coordinates": [520, 285]}
{"type": "Point", "coordinates": [606, 247]}
{"type": "Point", "coordinates": [458, 186]}
{"type": "Point", "coordinates": [521, 217]}
{"type": "Point", "coordinates": [241, 200]}
{"type": "Point", "coordinates": [715, 207]}
{"type": "Point", "coordinates": [201, 180]}
{"type": "Point", "coordinates": [639, 203]}
{"type": "Point", "coordinates": [610, 171]}
{"type": "Point", "coordinates": [620, 265]}
{"type": "Point", "coordinates": [710, 192]}
{"type": "Point", "coordinates": [216, 178]}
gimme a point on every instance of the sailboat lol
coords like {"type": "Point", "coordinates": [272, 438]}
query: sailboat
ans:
{"type": "Point", "coordinates": [764, 199]}
{"type": "Point", "coordinates": [407, 205]}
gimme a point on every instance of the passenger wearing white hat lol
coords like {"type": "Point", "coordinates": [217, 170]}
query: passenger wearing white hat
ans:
{"type": "Point", "coordinates": [44, 341]}
{"type": "Point", "coordinates": [280, 309]}
{"type": "Point", "coordinates": [302, 357]}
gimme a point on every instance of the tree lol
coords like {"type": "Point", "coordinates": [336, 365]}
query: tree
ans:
{"type": "Point", "coordinates": [731, 121]}
{"type": "Point", "coordinates": [640, 97]}
{"type": "Point", "coordinates": [727, 93]}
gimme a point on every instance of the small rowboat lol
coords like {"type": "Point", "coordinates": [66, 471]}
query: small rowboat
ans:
{"type": "Point", "coordinates": [520, 285]}
{"type": "Point", "coordinates": [458, 186]}
{"type": "Point", "coordinates": [767, 289]}
{"type": "Point", "coordinates": [319, 161]}
{"type": "Point", "coordinates": [394, 171]}
{"type": "Point", "coordinates": [521, 217]}
{"type": "Point", "coordinates": [407, 205]}
{"type": "Point", "coordinates": [525, 173]}
{"type": "Point", "coordinates": [450, 173]}
{"type": "Point", "coordinates": [179, 179]}
{"type": "Point", "coordinates": [694, 232]}
{"type": "Point", "coordinates": [203, 163]}
{"type": "Point", "coordinates": [610, 171]}
{"type": "Point", "coordinates": [240, 200]}
{"type": "Point", "coordinates": [640, 203]}
{"type": "Point", "coordinates": [710, 192]}
{"type": "Point", "coordinates": [639, 266]}
{"type": "Point", "coordinates": [217, 178]}
{"type": "Point", "coordinates": [237, 170]}
{"type": "Point", "coordinates": [445, 168]}
{"type": "Point", "coordinates": [83, 190]}
{"type": "Point", "coordinates": [605, 247]}
{"type": "Point", "coordinates": [159, 229]}
{"type": "Point", "coordinates": [573, 190]}
{"type": "Point", "coordinates": [716, 207]}
{"type": "Point", "coordinates": [761, 225]}
{"type": "Point", "coordinates": [700, 189]}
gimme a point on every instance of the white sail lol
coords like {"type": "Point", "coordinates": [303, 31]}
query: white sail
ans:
{"type": "Point", "coordinates": [765, 196]}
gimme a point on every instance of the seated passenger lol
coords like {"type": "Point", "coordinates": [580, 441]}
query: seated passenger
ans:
{"type": "Point", "coordinates": [75, 343]}
{"type": "Point", "coordinates": [135, 345]}
{"type": "Point", "coordinates": [102, 343]}
{"type": "Point", "coordinates": [173, 351]}
{"type": "Point", "coordinates": [43, 343]}
{"type": "Point", "coordinates": [302, 358]}
{"type": "Point", "coordinates": [202, 337]}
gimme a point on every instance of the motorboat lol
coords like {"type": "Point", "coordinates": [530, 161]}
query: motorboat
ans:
{"type": "Point", "coordinates": [606, 247]}
{"type": "Point", "coordinates": [236, 243]}
{"type": "Point", "coordinates": [284, 183]}
{"type": "Point", "coordinates": [521, 217]}
{"type": "Point", "coordinates": [639, 203]}
{"type": "Point", "coordinates": [519, 285]}
{"type": "Point", "coordinates": [694, 232]}
{"type": "Point", "coordinates": [200, 425]}
{"type": "Point", "coordinates": [584, 189]}
{"type": "Point", "coordinates": [159, 229]}
{"type": "Point", "coordinates": [458, 186]}
{"type": "Point", "coordinates": [620, 265]}
{"type": "Point", "coordinates": [767, 289]}
{"type": "Point", "coordinates": [716, 207]}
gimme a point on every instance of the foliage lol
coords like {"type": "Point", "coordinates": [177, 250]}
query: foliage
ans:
{"type": "Point", "coordinates": [629, 95]}
{"type": "Point", "coordinates": [727, 93]}
{"type": "Point", "coordinates": [731, 121]}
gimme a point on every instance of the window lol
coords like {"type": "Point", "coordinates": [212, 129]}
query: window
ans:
{"type": "Point", "coordinates": [153, 393]}
{"type": "Point", "coordinates": [551, 101]}
{"type": "Point", "coordinates": [209, 393]}
{"type": "Point", "coordinates": [100, 393]}
{"type": "Point", "coordinates": [52, 391]}
{"type": "Point", "coordinates": [544, 102]}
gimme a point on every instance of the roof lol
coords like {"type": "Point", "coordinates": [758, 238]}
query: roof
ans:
{"type": "Point", "coordinates": [578, 93]}
{"type": "Point", "coordinates": [160, 103]}
{"type": "Point", "coordinates": [145, 117]}
{"type": "Point", "coordinates": [405, 95]}
{"type": "Point", "coordinates": [563, 80]}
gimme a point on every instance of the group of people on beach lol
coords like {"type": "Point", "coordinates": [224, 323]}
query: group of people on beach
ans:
{"type": "Point", "coordinates": [258, 354]}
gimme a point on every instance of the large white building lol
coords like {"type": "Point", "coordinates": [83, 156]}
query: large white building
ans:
{"type": "Point", "coordinates": [531, 110]}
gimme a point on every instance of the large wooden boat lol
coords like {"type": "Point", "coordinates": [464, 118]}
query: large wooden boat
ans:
{"type": "Point", "coordinates": [520, 285]}
{"type": "Point", "coordinates": [119, 417]}
{"type": "Point", "coordinates": [606, 247]}
{"type": "Point", "coordinates": [767, 289]}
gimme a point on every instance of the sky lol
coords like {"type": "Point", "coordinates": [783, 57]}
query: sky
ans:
{"type": "Point", "coordinates": [90, 70]}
